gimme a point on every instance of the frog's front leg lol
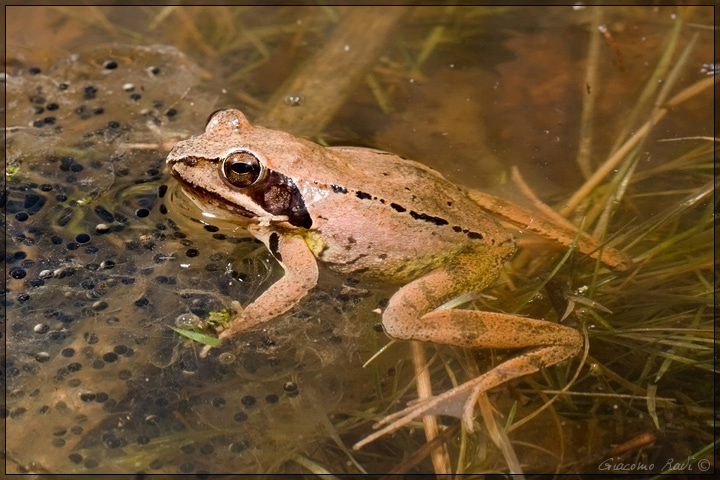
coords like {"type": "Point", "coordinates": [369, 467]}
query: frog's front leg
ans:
{"type": "Point", "coordinates": [301, 275]}
{"type": "Point", "coordinates": [406, 318]}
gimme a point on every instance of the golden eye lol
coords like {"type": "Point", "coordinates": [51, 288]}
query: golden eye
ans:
{"type": "Point", "coordinates": [241, 169]}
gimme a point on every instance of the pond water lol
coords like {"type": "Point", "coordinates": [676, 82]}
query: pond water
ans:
{"type": "Point", "coordinates": [104, 254]}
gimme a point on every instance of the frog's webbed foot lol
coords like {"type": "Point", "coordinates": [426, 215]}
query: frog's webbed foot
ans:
{"type": "Point", "coordinates": [460, 401]}
{"type": "Point", "coordinates": [449, 403]}
{"type": "Point", "coordinates": [235, 320]}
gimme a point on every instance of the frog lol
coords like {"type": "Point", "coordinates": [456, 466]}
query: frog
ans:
{"type": "Point", "coordinates": [373, 215]}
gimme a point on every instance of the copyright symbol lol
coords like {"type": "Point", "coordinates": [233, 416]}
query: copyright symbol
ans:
{"type": "Point", "coordinates": [703, 465]}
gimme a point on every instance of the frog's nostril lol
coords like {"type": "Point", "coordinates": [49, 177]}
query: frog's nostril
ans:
{"type": "Point", "coordinates": [190, 161]}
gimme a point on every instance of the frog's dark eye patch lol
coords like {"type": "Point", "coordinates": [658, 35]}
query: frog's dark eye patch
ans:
{"type": "Point", "coordinates": [279, 195]}
{"type": "Point", "coordinates": [241, 169]}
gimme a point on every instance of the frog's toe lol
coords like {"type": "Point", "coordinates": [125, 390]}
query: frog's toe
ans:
{"type": "Point", "coordinates": [205, 351]}
{"type": "Point", "coordinates": [452, 403]}
{"type": "Point", "coordinates": [468, 413]}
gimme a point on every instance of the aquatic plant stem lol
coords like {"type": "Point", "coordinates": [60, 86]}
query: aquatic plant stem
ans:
{"type": "Point", "coordinates": [588, 108]}
{"type": "Point", "coordinates": [612, 162]}
{"type": "Point", "coordinates": [321, 85]}
{"type": "Point", "coordinates": [440, 456]}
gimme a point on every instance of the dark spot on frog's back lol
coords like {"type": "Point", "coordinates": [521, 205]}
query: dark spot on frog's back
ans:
{"type": "Point", "coordinates": [363, 195]}
{"type": "Point", "coordinates": [472, 235]}
{"type": "Point", "coordinates": [428, 218]}
{"type": "Point", "coordinates": [338, 189]}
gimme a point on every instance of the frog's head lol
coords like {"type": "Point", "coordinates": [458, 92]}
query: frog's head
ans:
{"type": "Point", "coordinates": [243, 169]}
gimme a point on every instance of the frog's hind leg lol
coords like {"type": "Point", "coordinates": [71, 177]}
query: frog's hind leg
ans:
{"type": "Point", "coordinates": [551, 343]}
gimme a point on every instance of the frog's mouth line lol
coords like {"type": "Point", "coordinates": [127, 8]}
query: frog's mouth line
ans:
{"type": "Point", "coordinates": [202, 197]}
{"type": "Point", "coordinates": [214, 200]}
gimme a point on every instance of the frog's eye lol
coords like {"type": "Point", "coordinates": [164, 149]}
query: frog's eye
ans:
{"type": "Point", "coordinates": [241, 169]}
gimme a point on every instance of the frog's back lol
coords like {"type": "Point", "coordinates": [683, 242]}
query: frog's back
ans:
{"type": "Point", "coordinates": [417, 190]}
{"type": "Point", "coordinates": [373, 176]}
{"type": "Point", "coordinates": [402, 208]}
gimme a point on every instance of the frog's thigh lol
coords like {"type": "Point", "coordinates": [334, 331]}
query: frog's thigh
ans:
{"type": "Point", "coordinates": [477, 329]}
{"type": "Point", "coordinates": [401, 318]}
{"type": "Point", "coordinates": [301, 275]}
{"type": "Point", "coordinates": [410, 313]}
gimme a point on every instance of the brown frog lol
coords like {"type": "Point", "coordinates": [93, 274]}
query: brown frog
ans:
{"type": "Point", "coordinates": [367, 213]}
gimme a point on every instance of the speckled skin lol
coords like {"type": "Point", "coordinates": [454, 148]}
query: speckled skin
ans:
{"type": "Point", "coordinates": [369, 213]}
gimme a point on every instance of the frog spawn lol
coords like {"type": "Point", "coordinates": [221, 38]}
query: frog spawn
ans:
{"type": "Point", "coordinates": [97, 271]}
{"type": "Point", "coordinates": [85, 345]}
